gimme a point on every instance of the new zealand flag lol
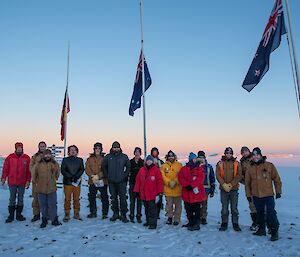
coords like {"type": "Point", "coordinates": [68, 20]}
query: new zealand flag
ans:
{"type": "Point", "coordinates": [270, 41]}
{"type": "Point", "coordinates": [135, 102]}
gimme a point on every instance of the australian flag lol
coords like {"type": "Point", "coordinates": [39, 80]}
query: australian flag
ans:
{"type": "Point", "coordinates": [135, 102]}
{"type": "Point", "coordinates": [270, 41]}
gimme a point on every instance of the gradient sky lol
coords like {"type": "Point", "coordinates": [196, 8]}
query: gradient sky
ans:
{"type": "Point", "coordinates": [198, 53]}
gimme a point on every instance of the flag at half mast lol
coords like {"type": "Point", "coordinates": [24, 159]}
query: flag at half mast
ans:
{"type": "Point", "coordinates": [270, 41]}
{"type": "Point", "coordinates": [64, 113]}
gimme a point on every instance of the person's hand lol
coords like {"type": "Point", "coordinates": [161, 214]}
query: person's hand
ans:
{"type": "Point", "coordinates": [27, 184]}
{"type": "Point", "coordinates": [249, 199]}
{"type": "Point", "coordinates": [211, 193]}
{"type": "Point", "coordinates": [3, 181]}
{"type": "Point", "coordinates": [226, 187]}
{"type": "Point", "coordinates": [95, 179]}
{"type": "Point", "coordinates": [278, 196]}
{"type": "Point", "coordinates": [189, 188]}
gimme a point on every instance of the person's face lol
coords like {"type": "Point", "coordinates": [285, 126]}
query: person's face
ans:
{"type": "Point", "coordinates": [137, 154]}
{"type": "Point", "coordinates": [47, 157]}
{"type": "Point", "coordinates": [256, 157]}
{"type": "Point", "coordinates": [116, 149]}
{"type": "Point", "coordinates": [154, 153]}
{"type": "Point", "coordinates": [97, 150]}
{"type": "Point", "coordinates": [171, 158]}
{"type": "Point", "coordinates": [42, 148]}
{"type": "Point", "coordinates": [73, 152]}
{"type": "Point", "coordinates": [194, 160]}
{"type": "Point", "coordinates": [19, 150]}
{"type": "Point", "coordinates": [246, 153]}
{"type": "Point", "coordinates": [228, 155]}
{"type": "Point", "coordinates": [149, 162]}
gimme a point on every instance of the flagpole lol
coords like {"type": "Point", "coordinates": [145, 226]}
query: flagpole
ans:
{"type": "Point", "coordinates": [66, 102]}
{"type": "Point", "coordinates": [294, 62]}
{"type": "Point", "coordinates": [143, 80]}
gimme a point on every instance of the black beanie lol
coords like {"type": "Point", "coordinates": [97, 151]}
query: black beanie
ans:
{"type": "Point", "coordinates": [98, 145]}
{"type": "Point", "coordinates": [256, 150]}
{"type": "Point", "coordinates": [244, 148]}
{"type": "Point", "coordinates": [201, 154]}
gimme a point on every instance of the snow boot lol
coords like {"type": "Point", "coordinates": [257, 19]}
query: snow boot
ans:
{"type": "Point", "coordinates": [169, 221]}
{"type": "Point", "coordinates": [152, 227]}
{"type": "Point", "coordinates": [114, 217]}
{"type": "Point", "coordinates": [236, 227]}
{"type": "Point", "coordinates": [139, 219]}
{"type": "Point", "coordinates": [260, 232]}
{"type": "Point", "coordinates": [44, 223]}
{"type": "Point", "coordinates": [56, 222]}
{"type": "Point", "coordinates": [146, 224]}
{"type": "Point", "coordinates": [104, 216]}
{"type": "Point", "coordinates": [131, 218]}
{"type": "Point", "coordinates": [19, 215]}
{"type": "Point", "coordinates": [92, 215]}
{"type": "Point", "coordinates": [124, 219]}
{"type": "Point", "coordinates": [175, 223]}
{"type": "Point", "coordinates": [36, 218]}
{"type": "Point", "coordinates": [254, 225]}
{"type": "Point", "coordinates": [77, 216]}
{"type": "Point", "coordinates": [194, 227]}
{"type": "Point", "coordinates": [67, 217]}
{"type": "Point", "coordinates": [274, 235]}
{"type": "Point", "coordinates": [11, 216]}
{"type": "Point", "coordinates": [186, 225]}
{"type": "Point", "coordinates": [203, 221]}
{"type": "Point", "coordinates": [223, 227]}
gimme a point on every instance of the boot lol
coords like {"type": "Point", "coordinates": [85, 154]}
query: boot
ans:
{"type": "Point", "coordinates": [203, 221]}
{"type": "Point", "coordinates": [19, 215]}
{"type": "Point", "coordinates": [36, 218]}
{"type": "Point", "coordinates": [77, 216]}
{"type": "Point", "coordinates": [131, 218]}
{"type": "Point", "coordinates": [11, 216]}
{"type": "Point", "coordinates": [44, 222]}
{"type": "Point", "coordinates": [139, 219]}
{"type": "Point", "coordinates": [236, 227]}
{"type": "Point", "coordinates": [92, 215]}
{"type": "Point", "coordinates": [261, 231]}
{"type": "Point", "coordinates": [146, 224]}
{"type": "Point", "coordinates": [104, 216]}
{"type": "Point", "coordinates": [152, 227]}
{"type": "Point", "coordinates": [67, 216]}
{"type": "Point", "coordinates": [186, 225]}
{"type": "Point", "coordinates": [175, 223]}
{"type": "Point", "coordinates": [223, 227]}
{"type": "Point", "coordinates": [124, 219]}
{"type": "Point", "coordinates": [194, 227]}
{"type": "Point", "coordinates": [254, 225]}
{"type": "Point", "coordinates": [169, 221]}
{"type": "Point", "coordinates": [274, 235]}
{"type": "Point", "coordinates": [56, 222]}
{"type": "Point", "coordinates": [114, 217]}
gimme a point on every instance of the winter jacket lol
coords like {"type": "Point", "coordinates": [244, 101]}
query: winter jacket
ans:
{"type": "Point", "coordinates": [16, 169]}
{"type": "Point", "coordinates": [72, 169]}
{"type": "Point", "coordinates": [260, 179]}
{"type": "Point", "coordinates": [134, 169]}
{"type": "Point", "coordinates": [245, 163]}
{"type": "Point", "coordinates": [170, 173]}
{"type": "Point", "coordinates": [229, 177]}
{"type": "Point", "coordinates": [195, 179]}
{"type": "Point", "coordinates": [116, 167]}
{"type": "Point", "coordinates": [149, 183]}
{"type": "Point", "coordinates": [93, 166]}
{"type": "Point", "coordinates": [36, 158]}
{"type": "Point", "coordinates": [209, 177]}
{"type": "Point", "coordinates": [45, 176]}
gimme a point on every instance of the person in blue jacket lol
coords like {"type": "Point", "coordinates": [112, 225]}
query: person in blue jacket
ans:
{"type": "Point", "coordinates": [209, 185]}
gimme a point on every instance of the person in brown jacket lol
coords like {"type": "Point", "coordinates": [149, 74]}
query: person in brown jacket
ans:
{"type": "Point", "coordinates": [229, 174]}
{"type": "Point", "coordinates": [259, 181]}
{"type": "Point", "coordinates": [36, 158]}
{"type": "Point", "coordinates": [97, 181]}
{"type": "Point", "coordinates": [46, 172]}
{"type": "Point", "coordinates": [245, 163]}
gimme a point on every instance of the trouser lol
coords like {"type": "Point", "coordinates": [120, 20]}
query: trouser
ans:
{"type": "Point", "coordinates": [203, 208]}
{"type": "Point", "coordinates": [151, 212]}
{"type": "Point", "coordinates": [35, 201]}
{"type": "Point", "coordinates": [266, 212]}
{"type": "Point", "coordinates": [192, 212]}
{"type": "Point", "coordinates": [118, 191]}
{"type": "Point", "coordinates": [104, 199]}
{"type": "Point", "coordinates": [174, 207]}
{"type": "Point", "coordinates": [252, 207]}
{"type": "Point", "coordinates": [72, 192]}
{"type": "Point", "coordinates": [134, 201]}
{"type": "Point", "coordinates": [48, 205]}
{"type": "Point", "coordinates": [16, 193]}
{"type": "Point", "coordinates": [159, 207]}
{"type": "Point", "coordinates": [232, 199]}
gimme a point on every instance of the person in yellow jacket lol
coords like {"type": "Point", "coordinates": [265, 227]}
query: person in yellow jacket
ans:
{"type": "Point", "coordinates": [172, 188]}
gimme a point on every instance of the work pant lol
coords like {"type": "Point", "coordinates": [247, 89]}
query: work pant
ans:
{"type": "Point", "coordinates": [118, 191]}
{"type": "Point", "coordinates": [48, 205]}
{"type": "Point", "coordinates": [232, 199]}
{"type": "Point", "coordinates": [104, 199]}
{"type": "Point", "coordinates": [72, 192]}
{"type": "Point", "coordinates": [35, 201]}
{"type": "Point", "coordinates": [192, 212]}
{"type": "Point", "coordinates": [134, 201]}
{"type": "Point", "coordinates": [151, 212]}
{"type": "Point", "coordinates": [203, 208]}
{"type": "Point", "coordinates": [174, 207]}
{"type": "Point", "coordinates": [16, 194]}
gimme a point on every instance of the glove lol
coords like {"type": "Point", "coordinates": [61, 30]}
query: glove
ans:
{"type": "Point", "coordinates": [278, 196]}
{"type": "Point", "coordinates": [189, 188]}
{"type": "Point", "coordinates": [172, 184]}
{"type": "Point", "coordinates": [226, 187]}
{"type": "Point", "coordinates": [3, 181]}
{"type": "Point", "coordinates": [95, 179]}
{"type": "Point", "coordinates": [212, 191]}
{"type": "Point", "coordinates": [249, 199]}
{"type": "Point", "coordinates": [27, 184]}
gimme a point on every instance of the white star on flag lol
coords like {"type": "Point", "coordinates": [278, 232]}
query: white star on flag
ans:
{"type": "Point", "coordinates": [257, 73]}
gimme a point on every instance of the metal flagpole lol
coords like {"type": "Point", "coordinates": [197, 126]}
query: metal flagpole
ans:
{"type": "Point", "coordinates": [143, 79]}
{"type": "Point", "coordinates": [292, 49]}
{"type": "Point", "coordinates": [66, 103]}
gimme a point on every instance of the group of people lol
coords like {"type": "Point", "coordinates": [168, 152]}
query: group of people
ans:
{"type": "Point", "coordinates": [148, 181]}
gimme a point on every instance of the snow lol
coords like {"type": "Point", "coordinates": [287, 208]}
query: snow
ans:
{"type": "Point", "coordinates": [103, 238]}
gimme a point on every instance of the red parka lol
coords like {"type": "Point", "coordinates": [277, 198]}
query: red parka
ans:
{"type": "Point", "coordinates": [16, 169]}
{"type": "Point", "coordinates": [149, 183]}
{"type": "Point", "coordinates": [194, 178]}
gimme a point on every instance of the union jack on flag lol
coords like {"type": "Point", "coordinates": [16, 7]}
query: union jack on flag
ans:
{"type": "Point", "coordinates": [270, 41]}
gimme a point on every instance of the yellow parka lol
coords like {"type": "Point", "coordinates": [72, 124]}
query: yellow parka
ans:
{"type": "Point", "coordinates": [170, 173]}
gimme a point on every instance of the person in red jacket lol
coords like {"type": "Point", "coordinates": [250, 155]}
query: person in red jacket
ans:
{"type": "Point", "coordinates": [16, 169]}
{"type": "Point", "coordinates": [191, 178]}
{"type": "Point", "coordinates": [149, 186]}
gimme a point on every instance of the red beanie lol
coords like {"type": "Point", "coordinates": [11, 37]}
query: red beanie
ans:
{"type": "Point", "coordinates": [18, 144]}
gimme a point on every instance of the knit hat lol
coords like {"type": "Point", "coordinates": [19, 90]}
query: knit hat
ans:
{"type": "Point", "coordinates": [256, 150]}
{"type": "Point", "coordinates": [18, 144]}
{"type": "Point", "coordinates": [244, 149]}
{"type": "Point", "coordinates": [228, 150]}
{"type": "Point", "coordinates": [201, 154]}
{"type": "Point", "coordinates": [116, 144]}
{"type": "Point", "coordinates": [171, 154]}
{"type": "Point", "coordinates": [192, 156]}
{"type": "Point", "coordinates": [150, 158]}
{"type": "Point", "coordinates": [98, 145]}
{"type": "Point", "coordinates": [47, 151]}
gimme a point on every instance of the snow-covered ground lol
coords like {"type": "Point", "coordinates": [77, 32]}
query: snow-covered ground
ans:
{"type": "Point", "coordinates": [104, 238]}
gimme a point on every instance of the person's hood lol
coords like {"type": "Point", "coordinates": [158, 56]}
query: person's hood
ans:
{"type": "Point", "coordinates": [112, 152]}
{"type": "Point", "coordinates": [262, 160]}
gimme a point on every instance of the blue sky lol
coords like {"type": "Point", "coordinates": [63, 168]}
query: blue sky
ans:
{"type": "Point", "coordinates": [198, 53]}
